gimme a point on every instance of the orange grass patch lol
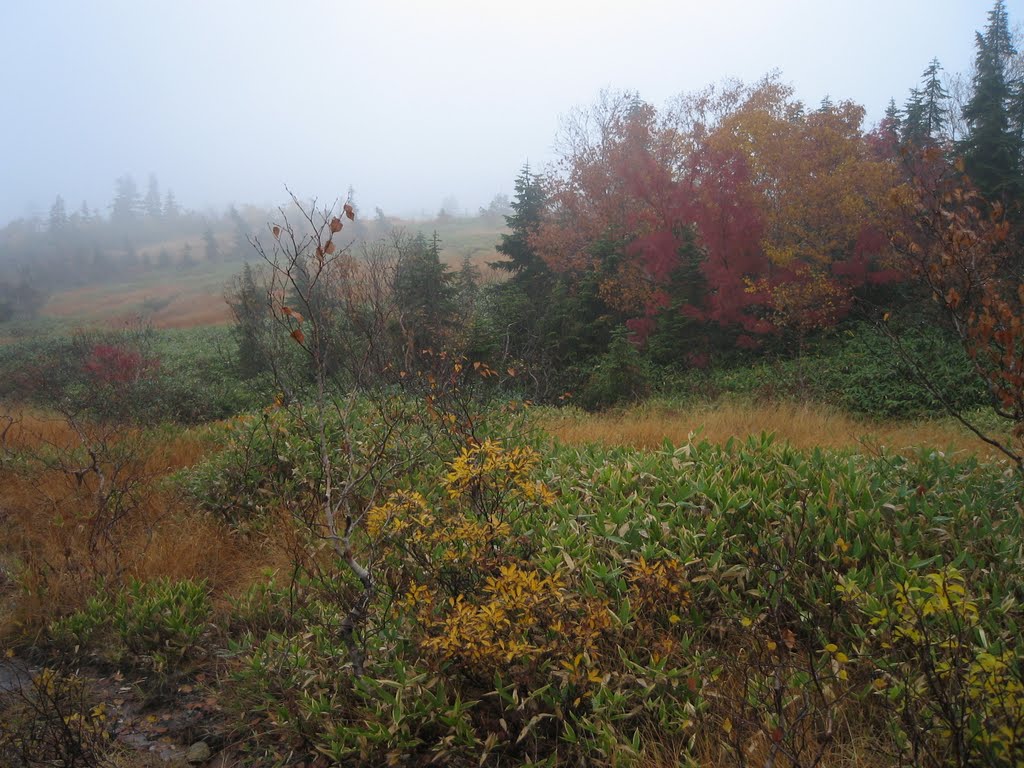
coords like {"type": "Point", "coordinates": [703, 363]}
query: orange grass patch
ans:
{"type": "Point", "coordinates": [28, 429]}
{"type": "Point", "coordinates": [193, 311]}
{"type": "Point", "coordinates": [179, 306]}
{"type": "Point", "coordinates": [60, 535]}
{"type": "Point", "coordinates": [802, 425]}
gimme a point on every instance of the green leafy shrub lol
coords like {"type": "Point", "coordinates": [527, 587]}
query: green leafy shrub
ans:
{"type": "Point", "coordinates": [267, 461]}
{"type": "Point", "coordinates": [865, 374]}
{"type": "Point", "coordinates": [619, 375]}
{"type": "Point", "coordinates": [155, 626]}
{"type": "Point", "coordinates": [561, 608]}
{"type": "Point", "coordinates": [951, 678]}
{"type": "Point", "coordinates": [145, 376]}
{"type": "Point", "coordinates": [305, 699]}
{"type": "Point", "coordinates": [857, 370]}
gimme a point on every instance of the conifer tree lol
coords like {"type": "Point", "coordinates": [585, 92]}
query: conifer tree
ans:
{"type": "Point", "coordinates": [893, 116]}
{"type": "Point", "coordinates": [171, 209]}
{"type": "Point", "coordinates": [992, 148]}
{"type": "Point", "coordinates": [935, 112]}
{"type": "Point", "coordinates": [151, 203]}
{"type": "Point", "coordinates": [912, 126]}
{"type": "Point", "coordinates": [424, 292]}
{"type": "Point", "coordinates": [528, 270]}
{"type": "Point", "coordinates": [125, 208]}
{"type": "Point", "coordinates": [58, 215]}
{"type": "Point", "coordinates": [211, 250]}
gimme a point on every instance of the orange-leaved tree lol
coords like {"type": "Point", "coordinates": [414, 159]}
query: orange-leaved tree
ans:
{"type": "Point", "coordinates": [963, 250]}
{"type": "Point", "coordinates": [721, 210]}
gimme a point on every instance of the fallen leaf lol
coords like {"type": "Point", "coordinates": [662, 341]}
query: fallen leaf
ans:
{"type": "Point", "coordinates": [788, 638]}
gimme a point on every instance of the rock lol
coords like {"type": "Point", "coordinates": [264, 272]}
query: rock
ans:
{"type": "Point", "coordinates": [198, 753]}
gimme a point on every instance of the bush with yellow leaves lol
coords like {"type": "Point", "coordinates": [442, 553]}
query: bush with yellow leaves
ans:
{"type": "Point", "coordinates": [957, 691]}
{"type": "Point", "coordinates": [47, 718]}
{"type": "Point", "coordinates": [470, 594]}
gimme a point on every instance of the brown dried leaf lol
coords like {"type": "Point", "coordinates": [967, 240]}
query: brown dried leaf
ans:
{"type": "Point", "coordinates": [298, 335]}
{"type": "Point", "coordinates": [277, 232]}
{"type": "Point", "coordinates": [329, 248]}
{"type": "Point", "coordinates": [349, 211]}
{"type": "Point", "coordinates": [336, 225]}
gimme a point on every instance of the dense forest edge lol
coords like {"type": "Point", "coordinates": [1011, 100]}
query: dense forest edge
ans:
{"type": "Point", "coordinates": [705, 447]}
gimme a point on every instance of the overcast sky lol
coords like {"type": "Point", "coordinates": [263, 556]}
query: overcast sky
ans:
{"type": "Point", "coordinates": [408, 101]}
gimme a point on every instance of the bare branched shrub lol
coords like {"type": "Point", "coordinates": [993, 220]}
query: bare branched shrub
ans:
{"type": "Point", "coordinates": [48, 718]}
{"type": "Point", "coordinates": [335, 307]}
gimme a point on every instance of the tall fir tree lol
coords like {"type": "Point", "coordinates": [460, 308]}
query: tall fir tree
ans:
{"type": "Point", "coordinates": [935, 102]}
{"type": "Point", "coordinates": [424, 293]}
{"type": "Point", "coordinates": [912, 129]}
{"type": "Point", "coordinates": [528, 270]}
{"type": "Point", "coordinates": [992, 148]}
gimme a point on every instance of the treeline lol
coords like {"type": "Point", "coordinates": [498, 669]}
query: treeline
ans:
{"type": "Point", "coordinates": [139, 232]}
{"type": "Point", "coordinates": [740, 221]}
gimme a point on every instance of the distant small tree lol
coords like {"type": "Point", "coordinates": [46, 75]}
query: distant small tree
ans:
{"type": "Point", "coordinates": [498, 209]}
{"type": "Point", "coordinates": [530, 324]}
{"type": "Point", "coordinates": [251, 308]}
{"type": "Point", "coordinates": [211, 251]}
{"type": "Point", "coordinates": [424, 294]}
{"type": "Point", "coordinates": [912, 125]}
{"type": "Point", "coordinates": [935, 101]}
{"type": "Point", "coordinates": [171, 208]}
{"type": "Point", "coordinates": [58, 215]}
{"type": "Point", "coordinates": [240, 246]}
{"type": "Point", "coordinates": [467, 285]}
{"type": "Point", "coordinates": [125, 208]}
{"type": "Point", "coordinates": [521, 261]}
{"type": "Point", "coordinates": [151, 203]}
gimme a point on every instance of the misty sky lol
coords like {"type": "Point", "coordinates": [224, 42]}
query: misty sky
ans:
{"type": "Point", "coordinates": [409, 102]}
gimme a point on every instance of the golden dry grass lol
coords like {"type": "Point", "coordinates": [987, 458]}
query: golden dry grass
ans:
{"type": "Point", "coordinates": [29, 429]}
{"type": "Point", "coordinates": [802, 425]}
{"type": "Point", "coordinates": [187, 305]}
{"type": "Point", "coordinates": [60, 539]}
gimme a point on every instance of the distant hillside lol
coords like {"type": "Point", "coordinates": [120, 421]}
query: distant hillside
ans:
{"type": "Point", "coordinates": [173, 284]}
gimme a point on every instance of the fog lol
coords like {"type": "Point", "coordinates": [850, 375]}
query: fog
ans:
{"type": "Point", "coordinates": [409, 103]}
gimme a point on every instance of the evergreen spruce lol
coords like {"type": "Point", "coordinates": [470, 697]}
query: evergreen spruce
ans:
{"type": "Point", "coordinates": [913, 124]}
{"type": "Point", "coordinates": [528, 270]}
{"type": "Point", "coordinates": [992, 147]}
{"type": "Point", "coordinates": [425, 293]}
{"type": "Point", "coordinates": [935, 102]}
